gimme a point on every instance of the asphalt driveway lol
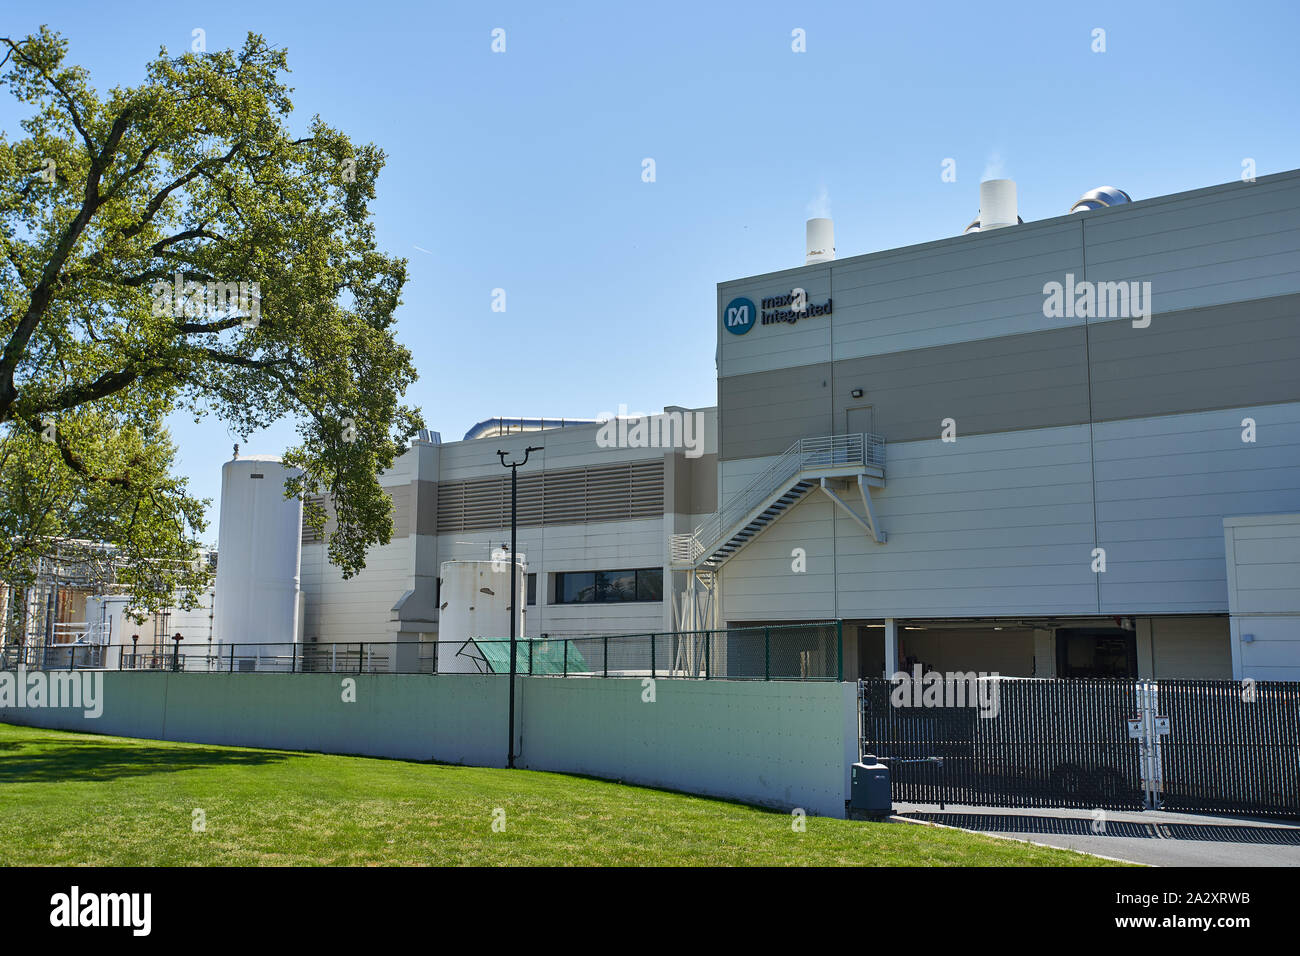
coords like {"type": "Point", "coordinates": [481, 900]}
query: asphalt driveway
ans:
{"type": "Point", "coordinates": [1150, 836]}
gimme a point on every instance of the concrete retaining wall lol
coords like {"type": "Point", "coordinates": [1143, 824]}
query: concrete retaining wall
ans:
{"type": "Point", "coordinates": [778, 744]}
{"type": "Point", "coordinates": [395, 715]}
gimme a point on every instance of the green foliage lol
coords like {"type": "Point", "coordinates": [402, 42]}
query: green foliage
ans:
{"type": "Point", "coordinates": [108, 206]}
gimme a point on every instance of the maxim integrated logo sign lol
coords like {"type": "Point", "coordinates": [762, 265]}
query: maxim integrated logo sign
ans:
{"type": "Point", "coordinates": [739, 316]}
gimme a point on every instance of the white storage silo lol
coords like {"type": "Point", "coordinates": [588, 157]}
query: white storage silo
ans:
{"type": "Point", "coordinates": [259, 556]}
{"type": "Point", "coordinates": [475, 602]}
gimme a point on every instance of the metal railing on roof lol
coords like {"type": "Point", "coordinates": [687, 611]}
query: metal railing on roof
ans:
{"type": "Point", "coordinates": [799, 652]}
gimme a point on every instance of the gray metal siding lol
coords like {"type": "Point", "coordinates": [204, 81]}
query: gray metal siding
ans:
{"type": "Point", "coordinates": [763, 414]}
{"type": "Point", "coordinates": [1212, 246]}
{"type": "Point", "coordinates": [972, 287]}
{"type": "Point", "coordinates": [1164, 486]}
{"type": "Point", "coordinates": [1239, 354]}
{"type": "Point", "coordinates": [1003, 524]}
{"type": "Point", "coordinates": [694, 487]}
{"type": "Point", "coordinates": [1224, 356]}
{"type": "Point", "coordinates": [766, 347]}
{"type": "Point", "coordinates": [955, 328]}
{"type": "Point", "coordinates": [992, 524]}
{"type": "Point", "coordinates": [984, 386]}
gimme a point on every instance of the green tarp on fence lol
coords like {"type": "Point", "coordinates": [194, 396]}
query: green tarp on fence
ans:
{"type": "Point", "coordinates": [531, 656]}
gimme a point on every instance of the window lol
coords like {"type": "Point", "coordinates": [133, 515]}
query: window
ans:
{"type": "Point", "coordinates": [616, 586]}
{"type": "Point", "coordinates": [650, 584]}
{"type": "Point", "coordinates": [575, 587]}
{"type": "Point", "coordinates": [591, 587]}
{"type": "Point", "coordinates": [532, 589]}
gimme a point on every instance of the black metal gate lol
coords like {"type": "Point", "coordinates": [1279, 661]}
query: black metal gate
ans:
{"type": "Point", "coordinates": [1232, 747]}
{"type": "Point", "coordinates": [1225, 747]}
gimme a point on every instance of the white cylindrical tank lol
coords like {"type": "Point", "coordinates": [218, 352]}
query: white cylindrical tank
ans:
{"type": "Point", "coordinates": [820, 246]}
{"type": "Point", "coordinates": [997, 204]}
{"type": "Point", "coordinates": [259, 555]}
{"type": "Point", "coordinates": [475, 602]}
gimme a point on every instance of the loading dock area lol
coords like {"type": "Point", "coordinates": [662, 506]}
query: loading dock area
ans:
{"type": "Point", "coordinates": [1171, 647]}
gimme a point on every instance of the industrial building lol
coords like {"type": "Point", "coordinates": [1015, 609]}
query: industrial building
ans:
{"type": "Point", "coordinates": [1081, 493]}
{"type": "Point", "coordinates": [1055, 492]}
{"type": "Point", "coordinates": [594, 529]}
{"type": "Point", "coordinates": [1068, 447]}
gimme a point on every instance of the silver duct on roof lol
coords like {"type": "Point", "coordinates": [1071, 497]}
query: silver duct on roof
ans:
{"type": "Point", "coordinates": [975, 225]}
{"type": "Point", "coordinates": [1100, 198]}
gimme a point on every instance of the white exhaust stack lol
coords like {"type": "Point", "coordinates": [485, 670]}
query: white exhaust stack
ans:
{"type": "Point", "coordinates": [821, 241]}
{"type": "Point", "coordinates": [997, 204]}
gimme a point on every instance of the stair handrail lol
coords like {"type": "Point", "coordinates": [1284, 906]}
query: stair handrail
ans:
{"type": "Point", "coordinates": [858, 449]}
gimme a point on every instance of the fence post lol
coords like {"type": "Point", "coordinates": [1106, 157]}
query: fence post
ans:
{"type": "Point", "coordinates": [293, 661]}
{"type": "Point", "coordinates": [232, 658]}
{"type": "Point", "coordinates": [566, 658]}
{"type": "Point", "coordinates": [606, 654]}
{"type": "Point", "coordinates": [359, 653]}
{"type": "Point", "coordinates": [708, 643]}
{"type": "Point", "coordinates": [767, 653]}
{"type": "Point", "coordinates": [121, 652]}
{"type": "Point", "coordinates": [839, 650]}
{"type": "Point", "coordinates": [530, 658]}
{"type": "Point", "coordinates": [652, 655]}
{"type": "Point", "coordinates": [72, 651]}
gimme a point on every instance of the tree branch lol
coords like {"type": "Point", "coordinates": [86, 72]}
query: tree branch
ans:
{"type": "Point", "coordinates": [72, 459]}
{"type": "Point", "coordinates": [16, 50]}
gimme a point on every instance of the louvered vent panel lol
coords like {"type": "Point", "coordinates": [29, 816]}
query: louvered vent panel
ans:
{"type": "Point", "coordinates": [308, 535]}
{"type": "Point", "coordinates": [568, 496]}
{"type": "Point", "coordinates": [647, 495]}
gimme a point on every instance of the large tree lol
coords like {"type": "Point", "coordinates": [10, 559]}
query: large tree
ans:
{"type": "Point", "coordinates": [175, 246]}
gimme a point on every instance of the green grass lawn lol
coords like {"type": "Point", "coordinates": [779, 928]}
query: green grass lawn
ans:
{"type": "Point", "coordinates": [73, 799]}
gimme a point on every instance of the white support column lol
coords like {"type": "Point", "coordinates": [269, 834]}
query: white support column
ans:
{"type": "Point", "coordinates": [891, 647]}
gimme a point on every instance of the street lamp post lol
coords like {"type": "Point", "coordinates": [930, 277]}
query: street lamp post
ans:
{"type": "Point", "coordinates": [514, 584]}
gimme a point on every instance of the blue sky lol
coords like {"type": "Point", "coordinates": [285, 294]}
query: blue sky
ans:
{"type": "Point", "coordinates": [522, 170]}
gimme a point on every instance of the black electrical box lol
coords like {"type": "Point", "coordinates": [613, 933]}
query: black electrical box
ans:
{"type": "Point", "coordinates": [869, 791]}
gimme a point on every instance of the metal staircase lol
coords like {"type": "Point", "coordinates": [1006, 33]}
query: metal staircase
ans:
{"type": "Point", "coordinates": [807, 464]}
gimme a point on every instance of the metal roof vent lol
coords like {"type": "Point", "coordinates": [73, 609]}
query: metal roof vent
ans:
{"type": "Point", "coordinates": [1100, 198]}
{"type": "Point", "coordinates": [975, 225]}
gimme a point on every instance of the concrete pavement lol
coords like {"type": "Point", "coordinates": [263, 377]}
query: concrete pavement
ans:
{"type": "Point", "coordinates": [1154, 837]}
